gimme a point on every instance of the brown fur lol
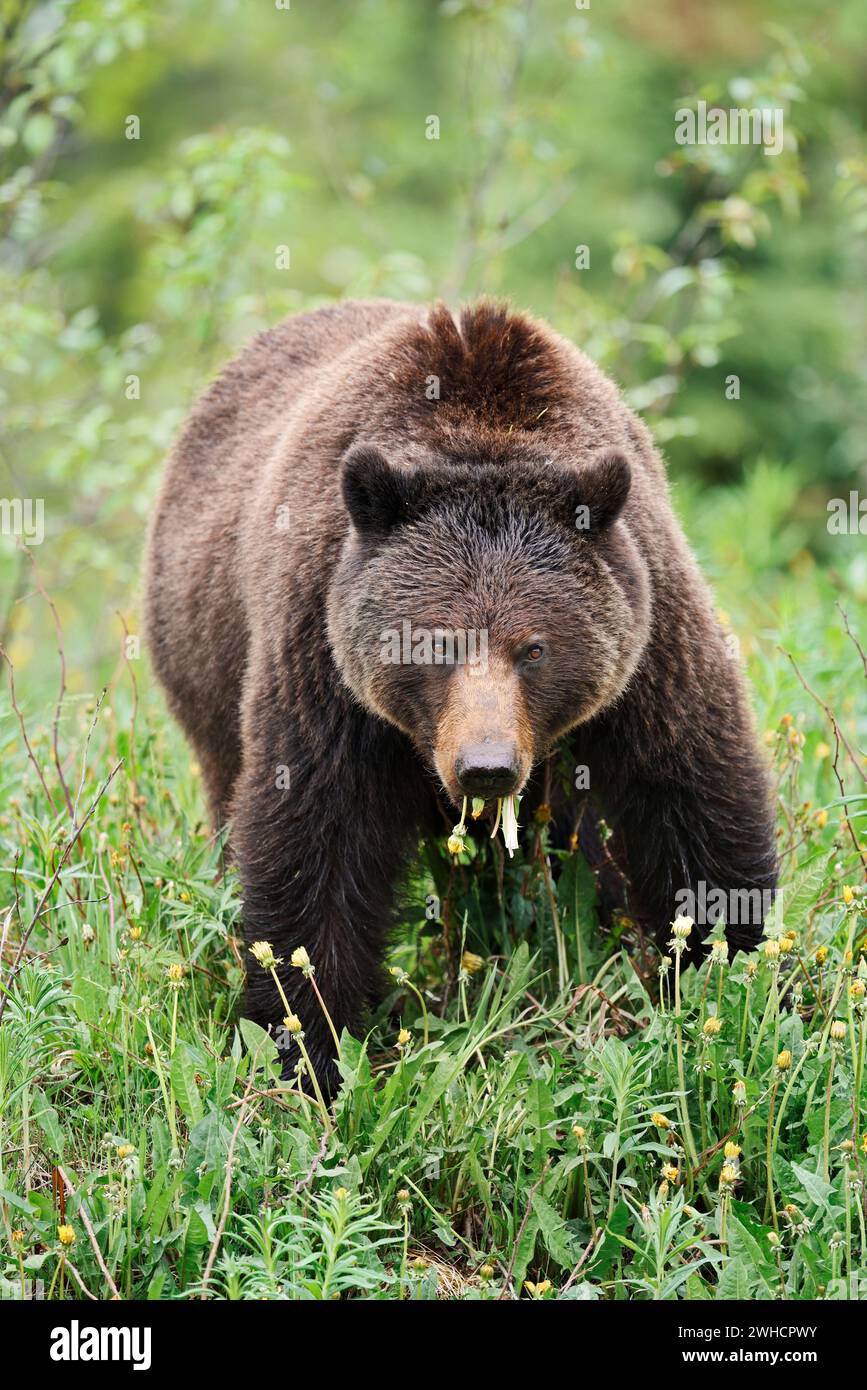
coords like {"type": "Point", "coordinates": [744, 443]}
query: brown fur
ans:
{"type": "Point", "coordinates": [267, 639]}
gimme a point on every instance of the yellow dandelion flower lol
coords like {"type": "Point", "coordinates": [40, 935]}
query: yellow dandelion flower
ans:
{"type": "Point", "coordinates": [300, 959]}
{"type": "Point", "coordinates": [264, 954]}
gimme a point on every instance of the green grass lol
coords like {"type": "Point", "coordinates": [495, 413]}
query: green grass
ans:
{"type": "Point", "coordinates": [561, 1133]}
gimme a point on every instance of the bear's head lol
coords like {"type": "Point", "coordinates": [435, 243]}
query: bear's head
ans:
{"type": "Point", "coordinates": [486, 608]}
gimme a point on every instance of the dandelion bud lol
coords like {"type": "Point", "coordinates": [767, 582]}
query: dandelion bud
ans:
{"type": "Point", "coordinates": [821, 955]}
{"type": "Point", "coordinates": [711, 1026]}
{"type": "Point", "coordinates": [404, 1038]}
{"type": "Point", "coordinates": [821, 819]}
{"type": "Point", "coordinates": [264, 954]}
{"type": "Point", "coordinates": [784, 1060]}
{"type": "Point", "coordinates": [786, 943]}
{"type": "Point", "coordinates": [670, 1173]}
{"type": "Point", "coordinates": [175, 973]}
{"type": "Point", "coordinates": [661, 1121]}
{"type": "Point", "coordinates": [728, 1175]}
{"type": "Point", "coordinates": [478, 807]}
{"type": "Point", "coordinates": [66, 1235]}
{"type": "Point", "coordinates": [300, 959]}
{"type": "Point", "coordinates": [732, 1150]}
{"type": "Point", "coordinates": [681, 928]}
{"type": "Point", "coordinates": [838, 1030]}
{"type": "Point", "coordinates": [403, 1197]}
{"type": "Point", "coordinates": [125, 1150]}
{"type": "Point", "coordinates": [772, 949]}
{"type": "Point", "coordinates": [471, 963]}
{"type": "Point", "coordinates": [739, 1093]}
{"type": "Point", "coordinates": [773, 1238]}
{"type": "Point", "coordinates": [848, 894]}
{"type": "Point", "coordinates": [135, 933]}
{"type": "Point", "coordinates": [857, 989]}
{"type": "Point", "coordinates": [455, 844]}
{"type": "Point", "coordinates": [719, 951]}
{"type": "Point", "coordinates": [88, 935]}
{"type": "Point", "coordinates": [292, 1023]}
{"type": "Point", "coordinates": [486, 1273]}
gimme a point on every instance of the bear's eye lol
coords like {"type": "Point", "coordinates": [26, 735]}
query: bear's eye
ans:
{"type": "Point", "coordinates": [535, 651]}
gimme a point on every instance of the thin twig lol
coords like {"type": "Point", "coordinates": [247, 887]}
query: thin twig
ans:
{"type": "Point", "coordinates": [82, 1211]}
{"type": "Point", "coordinates": [522, 1228]}
{"type": "Point", "coordinates": [594, 1240]}
{"type": "Point", "coordinates": [58, 708]}
{"type": "Point", "coordinates": [54, 877]}
{"type": "Point", "coordinates": [227, 1191]}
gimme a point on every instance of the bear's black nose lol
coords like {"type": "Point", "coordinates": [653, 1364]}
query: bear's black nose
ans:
{"type": "Point", "coordinates": [487, 769]}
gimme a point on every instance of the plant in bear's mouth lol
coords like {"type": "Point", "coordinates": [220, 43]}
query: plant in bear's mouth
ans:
{"type": "Point", "coordinates": [507, 815]}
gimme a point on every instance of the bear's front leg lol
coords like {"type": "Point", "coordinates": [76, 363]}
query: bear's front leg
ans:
{"type": "Point", "coordinates": [325, 819]}
{"type": "Point", "coordinates": [678, 772]}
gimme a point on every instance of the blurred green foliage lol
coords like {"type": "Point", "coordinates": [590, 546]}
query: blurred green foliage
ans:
{"type": "Point", "coordinates": [172, 183]}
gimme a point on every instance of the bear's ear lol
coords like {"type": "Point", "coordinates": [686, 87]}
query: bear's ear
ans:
{"type": "Point", "coordinates": [600, 491]}
{"type": "Point", "coordinates": [377, 496]}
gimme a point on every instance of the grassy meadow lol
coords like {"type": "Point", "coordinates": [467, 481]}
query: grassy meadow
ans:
{"type": "Point", "coordinates": [541, 1109]}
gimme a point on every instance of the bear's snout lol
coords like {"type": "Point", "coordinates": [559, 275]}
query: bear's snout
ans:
{"type": "Point", "coordinates": [484, 744]}
{"type": "Point", "coordinates": [488, 769]}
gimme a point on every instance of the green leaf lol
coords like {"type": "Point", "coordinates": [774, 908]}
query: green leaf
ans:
{"type": "Point", "coordinates": [193, 1241]}
{"type": "Point", "coordinates": [554, 1232]}
{"type": "Point", "coordinates": [183, 1074]}
{"type": "Point", "coordinates": [818, 1191]}
{"type": "Point", "coordinates": [260, 1045]}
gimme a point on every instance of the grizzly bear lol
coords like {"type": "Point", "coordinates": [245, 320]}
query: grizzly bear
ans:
{"type": "Point", "coordinates": [376, 470]}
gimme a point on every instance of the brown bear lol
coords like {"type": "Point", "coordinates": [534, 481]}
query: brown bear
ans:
{"type": "Point", "coordinates": [363, 488]}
